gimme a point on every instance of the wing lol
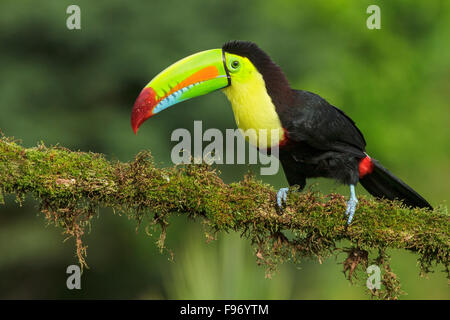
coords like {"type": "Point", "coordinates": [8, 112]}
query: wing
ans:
{"type": "Point", "coordinates": [314, 121]}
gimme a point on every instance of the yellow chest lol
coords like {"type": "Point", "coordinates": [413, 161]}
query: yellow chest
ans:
{"type": "Point", "coordinates": [254, 112]}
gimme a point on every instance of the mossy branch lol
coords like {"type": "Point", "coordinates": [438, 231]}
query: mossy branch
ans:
{"type": "Point", "coordinates": [70, 186]}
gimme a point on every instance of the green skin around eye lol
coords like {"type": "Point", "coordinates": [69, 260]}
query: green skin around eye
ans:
{"type": "Point", "coordinates": [234, 65]}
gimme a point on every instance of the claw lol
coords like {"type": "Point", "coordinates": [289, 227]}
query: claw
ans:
{"type": "Point", "coordinates": [282, 197]}
{"type": "Point", "coordinates": [351, 205]}
{"type": "Point", "coordinates": [351, 208]}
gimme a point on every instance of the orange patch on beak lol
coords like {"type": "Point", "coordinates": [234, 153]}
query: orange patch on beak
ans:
{"type": "Point", "coordinates": [199, 76]}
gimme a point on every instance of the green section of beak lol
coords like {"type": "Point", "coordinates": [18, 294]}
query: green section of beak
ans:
{"type": "Point", "coordinates": [202, 72]}
{"type": "Point", "coordinates": [193, 76]}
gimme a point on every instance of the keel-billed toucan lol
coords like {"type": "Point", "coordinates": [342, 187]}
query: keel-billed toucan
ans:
{"type": "Point", "coordinates": [315, 138]}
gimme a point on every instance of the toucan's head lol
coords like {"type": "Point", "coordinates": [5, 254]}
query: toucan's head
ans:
{"type": "Point", "coordinates": [238, 62]}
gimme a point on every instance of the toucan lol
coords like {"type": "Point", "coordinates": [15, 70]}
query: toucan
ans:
{"type": "Point", "coordinates": [315, 139]}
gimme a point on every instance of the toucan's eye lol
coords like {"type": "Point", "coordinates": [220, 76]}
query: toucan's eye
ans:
{"type": "Point", "coordinates": [234, 65]}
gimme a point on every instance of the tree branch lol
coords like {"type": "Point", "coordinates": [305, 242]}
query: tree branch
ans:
{"type": "Point", "coordinates": [70, 186]}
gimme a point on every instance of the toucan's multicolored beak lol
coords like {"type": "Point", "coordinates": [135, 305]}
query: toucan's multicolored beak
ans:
{"type": "Point", "coordinates": [193, 76]}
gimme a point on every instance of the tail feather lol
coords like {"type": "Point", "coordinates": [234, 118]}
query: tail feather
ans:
{"type": "Point", "coordinates": [383, 184]}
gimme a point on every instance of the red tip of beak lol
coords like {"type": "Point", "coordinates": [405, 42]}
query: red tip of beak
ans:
{"type": "Point", "coordinates": [143, 107]}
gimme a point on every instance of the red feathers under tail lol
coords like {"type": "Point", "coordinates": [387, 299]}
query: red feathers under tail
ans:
{"type": "Point", "coordinates": [383, 184]}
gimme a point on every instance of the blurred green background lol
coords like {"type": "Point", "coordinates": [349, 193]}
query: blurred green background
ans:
{"type": "Point", "coordinates": [77, 88]}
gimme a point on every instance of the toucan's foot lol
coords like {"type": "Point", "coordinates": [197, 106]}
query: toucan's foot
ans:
{"type": "Point", "coordinates": [282, 197]}
{"type": "Point", "coordinates": [351, 204]}
{"type": "Point", "coordinates": [351, 207]}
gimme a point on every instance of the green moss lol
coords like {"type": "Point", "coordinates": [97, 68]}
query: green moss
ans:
{"type": "Point", "coordinates": [70, 186]}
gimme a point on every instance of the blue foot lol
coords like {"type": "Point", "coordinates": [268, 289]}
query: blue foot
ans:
{"type": "Point", "coordinates": [282, 197]}
{"type": "Point", "coordinates": [351, 204]}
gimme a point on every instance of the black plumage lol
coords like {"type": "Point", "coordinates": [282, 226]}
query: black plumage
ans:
{"type": "Point", "coordinates": [321, 140]}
